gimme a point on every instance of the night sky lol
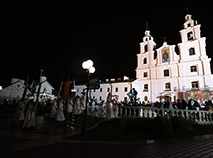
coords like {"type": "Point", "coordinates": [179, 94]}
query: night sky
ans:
{"type": "Point", "coordinates": [58, 37]}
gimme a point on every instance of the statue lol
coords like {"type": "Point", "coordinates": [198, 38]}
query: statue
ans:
{"type": "Point", "coordinates": [133, 95]}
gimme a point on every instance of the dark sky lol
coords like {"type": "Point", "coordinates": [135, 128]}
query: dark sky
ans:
{"type": "Point", "coordinates": [58, 37]}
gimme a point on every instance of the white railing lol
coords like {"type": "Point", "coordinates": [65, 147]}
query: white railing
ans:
{"type": "Point", "coordinates": [202, 117]}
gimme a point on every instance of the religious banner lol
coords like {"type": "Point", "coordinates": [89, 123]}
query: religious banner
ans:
{"type": "Point", "coordinates": [66, 90]}
{"type": "Point", "coordinates": [205, 95]}
{"type": "Point", "coordinates": [165, 54]}
{"type": "Point", "coordinates": [192, 95]}
{"type": "Point", "coordinates": [199, 95]}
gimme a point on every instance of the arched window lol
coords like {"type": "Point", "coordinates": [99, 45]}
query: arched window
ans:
{"type": "Point", "coordinates": [190, 36]}
{"type": "Point", "coordinates": [166, 72]}
{"type": "Point", "coordinates": [144, 61]}
{"type": "Point", "coordinates": [145, 48]}
{"type": "Point", "coordinates": [191, 51]}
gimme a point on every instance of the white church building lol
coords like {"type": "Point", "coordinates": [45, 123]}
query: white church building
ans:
{"type": "Point", "coordinates": [168, 75]}
{"type": "Point", "coordinates": [16, 89]}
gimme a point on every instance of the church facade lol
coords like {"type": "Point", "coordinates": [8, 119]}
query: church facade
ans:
{"type": "Point", "coordinates": [170, 75]}
{"type": "Point", "coordinates": [163, 73]}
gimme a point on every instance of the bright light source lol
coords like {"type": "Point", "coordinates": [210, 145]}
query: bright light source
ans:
{"type": "Point", "coordinates": [91, 70]}
{"type": "Point", "coordinates": [84, 65]}
{"type": "Point", "coordinates": [73, 90]}
{"type": "Point", "coordinates": [90, 63]}
{"type": "Point", "coordinates": [0, 88]}
{"type": "Point", "coordinates": [89, 66]}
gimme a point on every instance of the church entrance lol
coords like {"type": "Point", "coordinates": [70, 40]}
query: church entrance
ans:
{"type": "Point", "coordinates": [167, 98]}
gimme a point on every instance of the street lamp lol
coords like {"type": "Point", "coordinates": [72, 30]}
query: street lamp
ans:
{"type": "Point", "coordinates": [88, 66]}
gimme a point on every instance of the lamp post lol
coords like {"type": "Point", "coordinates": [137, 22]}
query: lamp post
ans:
{"type": "Point", "coordinates": [88, 66]}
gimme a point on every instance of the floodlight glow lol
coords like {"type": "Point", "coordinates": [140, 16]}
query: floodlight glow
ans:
{"type": "Point", "coordinates": [87, 64]}
{"type": "Point", "coordinates": [73, 90]}
{"type": "Point", "coordinates": [84, 65]}
{"type": "Point", "coordinates": [90, 63]}
{"type": "Point", "coordinates": [91, 70]}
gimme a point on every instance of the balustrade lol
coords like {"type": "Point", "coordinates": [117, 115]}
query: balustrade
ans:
{"type": "Point", "coordinates": [203, 117]}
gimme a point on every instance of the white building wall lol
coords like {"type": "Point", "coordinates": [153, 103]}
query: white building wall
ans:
{"type": "Point", "coordinates": [206, 66]}
{"type": "Point", "coordinates": [79, 89]}
{"type": "Point", "coordinates": [185, 68]}
{"type": "Point", "coordinates": [185, 82]}
{"type": "Point", "coordinates": [208, 81]}
{"type": "Point", "coordinates": [179, 66]}
{"type": "Point", "coordinates": [45, 86]}
{"type": "Point", "coordinates": [184, 48]}
{"type": "Point", "coordinates": [14, 91]}
{"type": "Point", "coordinates": [117, 88]}
{"type": "Point", "coordinates": [46, 89]}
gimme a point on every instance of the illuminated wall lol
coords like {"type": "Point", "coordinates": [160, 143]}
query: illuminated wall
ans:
{"type": "Point", "coordinates": [170, 74]}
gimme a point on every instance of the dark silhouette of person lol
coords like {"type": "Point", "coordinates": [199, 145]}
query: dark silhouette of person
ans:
{"type": "Point", "coordinates": [134, 92]}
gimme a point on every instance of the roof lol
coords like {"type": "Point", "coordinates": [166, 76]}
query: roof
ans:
{"type": "Point", "coordinates": [117, 81]}
{"type": "Point", "coordinates": [114, 81]}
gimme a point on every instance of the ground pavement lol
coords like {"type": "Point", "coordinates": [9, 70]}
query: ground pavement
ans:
{"type": "Point", "coordinates": [47, 139]}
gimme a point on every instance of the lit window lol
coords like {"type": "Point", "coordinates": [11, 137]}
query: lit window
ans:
{"type": "Point", "coordinates": [193, 69]}
{"type": "Point", "coordinates": [167, 86]}
{"type": "Point", "coordinates": [191, 51]}
{"type": "Point", "coordinates": [144, 61]}
{"type": "Point", "coordinates": [145, 74]}
{"type": "Point", "coordinates": [145, 87]}
{"type": "Point", "coordinates": [195, 85]}
{"type": "Point", "coordinates": [166, 73]}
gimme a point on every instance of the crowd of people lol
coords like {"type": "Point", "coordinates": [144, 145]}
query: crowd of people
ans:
{"type": "Point", "coordinates": [63, 110]}
{"type": "Point", "coordinates": [57, 110]}
{"type": "Point", "coordinates": [178, 104]}
{"type": "Point", "coordinates": [24, 115]}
